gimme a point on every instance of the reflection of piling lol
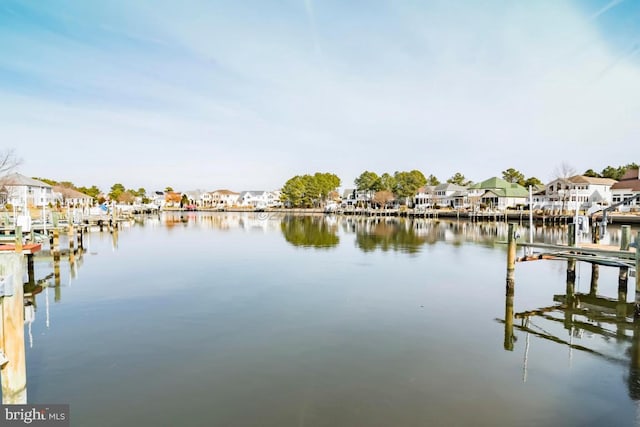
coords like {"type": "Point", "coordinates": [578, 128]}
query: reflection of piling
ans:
{"type": "Point", "coordinates": [511, 259]}
{"type": "Point", "coordinates": [13, 373]}
{"type": "Point", "coordinates": [595, 233]}
{"type": "Point", "coordinates": [637, 246]}
{"type": "Point", "coordinates": [56, 258]}
{"type": "Point", "coordinates": [56, 244]}
{"type": "Point", "coordinates": [71, 236]}
{"type": "Point", "coordinates": [80, 237]}
{"type": "Point", "coordinates": [634, 363]}
{"type": "Point", "coordinates": [595, 274]}
{"type": "Point", "coordinates": [30, 270]}
{"type": "Point", "coordinates": [571, 262]}
{"type": "Point", "coordinates": [508, 322]}
{"type": "Point", "coordinates": [571, 280]}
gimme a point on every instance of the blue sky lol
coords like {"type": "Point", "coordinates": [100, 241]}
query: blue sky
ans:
{"type": "Point", "coordinates": [244, 95]}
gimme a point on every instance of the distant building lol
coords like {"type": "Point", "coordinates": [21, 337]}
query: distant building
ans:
{"type": "Point", "coordinates": [22, 191]}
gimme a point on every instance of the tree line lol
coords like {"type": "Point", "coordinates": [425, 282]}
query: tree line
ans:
{"type": "Point", "coordinates": [310, 190]}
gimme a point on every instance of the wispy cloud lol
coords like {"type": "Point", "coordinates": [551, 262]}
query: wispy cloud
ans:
{"type": "Point", "coordinates": [247, 94]}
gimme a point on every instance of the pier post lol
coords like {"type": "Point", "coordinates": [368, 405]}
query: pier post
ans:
{"type": "Point", "coordinates": [625, 237]}
{"type": "Point", "coordinates": [511, 259]}
{"type": "Point", "coordinates": [14, 372]}
{"type": "Point", "coordinates": [18, 245]}
{"type": "Point", "coordinates": [625, 240]}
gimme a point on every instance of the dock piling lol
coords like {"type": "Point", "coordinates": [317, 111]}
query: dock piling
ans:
{"type": "Point", "coordinates": [18, 245]}
{"type": "Point", "coordinates": [14, 372]}
{"type": "Point", "coordinates": [511, 259]}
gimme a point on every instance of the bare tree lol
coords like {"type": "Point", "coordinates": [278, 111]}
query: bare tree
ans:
{"type": "Point", "coordinates": [8, 161]}
{"type": "Point", "coordinates": [562, 173]}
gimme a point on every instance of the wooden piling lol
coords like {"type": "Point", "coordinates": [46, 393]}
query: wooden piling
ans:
{"type": "Point", "coordinates": [13, 373]}
{"type": "Point", "coordinates": [625, 237]}
{"type": "Point", "coordinates": [511, 259]}
{"type": "Point", "coordinates": [18, 241]}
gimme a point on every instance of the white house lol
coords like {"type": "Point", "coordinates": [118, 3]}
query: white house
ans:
{"type": "Point", "coordinates": [425, 197]}
{"type": "Point", "coordinates": [628, 186]}
{"type": "Point", "coordinates": [352, 197]}
{"type": "Point", "coordinates": [157, 198]}
{"type": "Point", "coordinates": [577, 192]}
{"type": "Point", "coordinates": [224, 198]}
{"type": "Point", "coordinates": [255, 199]}
{"type": "Point", "coordinates": [22, 191]}
{"type": "Point", "coordinates": [71, 198]}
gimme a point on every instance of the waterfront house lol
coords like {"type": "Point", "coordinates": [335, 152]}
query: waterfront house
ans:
{"type": "Point", "coordinates": [273, 199]}
{"type": "Point", "coordinates": [71, 198]}
{"type": "Point", "coordinates": [352, 197]}
{"type": "Point", "coordinates": [194, 197]}
{"type": "Point", "coordinates": [224, 198]}
{"type": "Point", "coordinates": [496, 193]}
{"type": "Point", "coordinates": [451, 195]}
{"type": "Point", "coordinates": [253, 199]}
{"type": "Point", "coordinates": [157, 198]}
{"type": "Point", "coordinates": [425, 197]}
{"type": "Point", "coordinates": [22, 191]}
{"type": "Point", "coordinates": [628, 186]}
{"type": "Point", "coordinates": [577, 192]}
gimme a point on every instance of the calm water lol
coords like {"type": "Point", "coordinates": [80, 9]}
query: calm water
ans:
{"type": "Point", "coordinates": [256, 320]}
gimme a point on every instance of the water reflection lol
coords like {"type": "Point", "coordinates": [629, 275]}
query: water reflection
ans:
{"type": "Point", "coordinates": [382, 233]}
{"type": "Point", "coordinates": [309, 231]}
{"type": "Point", "coordinates": [19, 310]}
{"type": "Point", "coordinates": [583, 321]}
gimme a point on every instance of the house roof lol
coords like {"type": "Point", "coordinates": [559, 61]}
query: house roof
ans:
{"type": "Point", "coordinates": [426, 189]}
{"type": "Point", "coordinates": [581, 179]}
{"type": "Point", "coordinates": [16, 179]}
{"type": "Point", "coordinates": [225, 192]}
{"type": "Point", "coordinates": [447, 186]}
{"type": "Point", "coordinates": [629, 181]}
{"type": "Point", "coordinates": [252, 193]}
{"type": "Point", "coordinates": [70, 193]}
{"type": "Point", "coordinates": [630, 174]}
{"type": "Point", "coordinates": [508, 189]}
